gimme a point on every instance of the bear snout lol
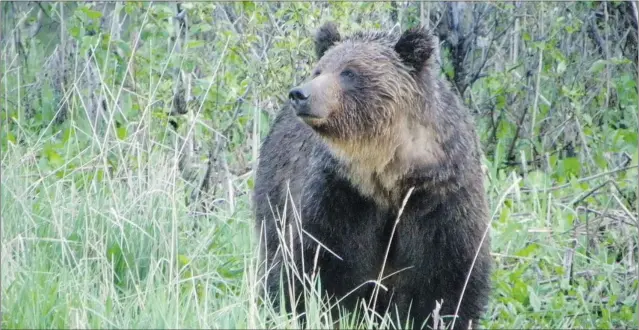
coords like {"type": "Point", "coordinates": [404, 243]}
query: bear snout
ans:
{"type": "Point", "coordinates": [300, 98]}
{"type": "Point", "coordinates": [298, 95]}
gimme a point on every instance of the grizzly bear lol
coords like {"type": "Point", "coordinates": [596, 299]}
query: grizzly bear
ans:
{"type": "Point", "coordinates": [374, 122]}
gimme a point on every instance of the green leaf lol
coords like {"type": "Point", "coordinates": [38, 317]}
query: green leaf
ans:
{"type": "Point", "coordinates": [183, 260]}
{"type": "Point", "coordinates": [600, 160]}
{"type": "Point", "coordinates": [535, 303]}
{"type": "Point", "coordinates": [597, 66]}
{"type": "Point", "coordinates": [11, 138]}
{"type": "Point", "coordinates": [74, 31]}
{"type": "Point", "coordinates": [500, 101]}
{"type": "Point", "coordinates": [121, 132]}
{"type": "Point", "coordinates": [561, 67]}
{"type": "Point", "coordinates": [249, 6]}
{"type": "Point", "coordinates": [67, 134]}
{"type": "Point", "coordinates": [54, 158]}
{"type": "Point", "coordinates": [528, 250]}
{"type": "Point", "coordinates": [130, 7]}
{"type": "Point", "coordinates": [201, 28]}
{"type": "Point", "coordinates": [572, 166]}
{"type": "Point", "coordinates": [92, 14]}
{"type": "Point", "coordinates": [99, 175]}
{"type": "Point", "coordinates": [114, 252]}
{"type": "Point", "coordinates": [505, 214]}
{"type": "Point", "coordinates": [194, 43]}
{"type": "Point", "coordinates": [630, 137]}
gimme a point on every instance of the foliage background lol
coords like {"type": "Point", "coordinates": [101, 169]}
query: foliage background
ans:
{"type": "Point", "coordinates": [130, 132]}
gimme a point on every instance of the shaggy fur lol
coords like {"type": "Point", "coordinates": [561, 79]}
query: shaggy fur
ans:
{"type": "Point", "coordinates": [377, 121]}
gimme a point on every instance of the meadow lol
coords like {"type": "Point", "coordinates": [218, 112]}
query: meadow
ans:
{"type": "Point", "coordinates": [130, 130]}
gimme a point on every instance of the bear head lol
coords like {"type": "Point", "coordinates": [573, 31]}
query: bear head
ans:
{"type": "Point", "coordinates": [369, 98]}
{"type": "Point", "coordinates": [375, 100]}
{"type": "Point", "coordinates": [360, 82]}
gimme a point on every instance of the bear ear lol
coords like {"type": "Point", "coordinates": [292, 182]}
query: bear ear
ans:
{"type": "Point", "coordinates": [416, 47]}
{"type": "Point", "coordinates": [326, 36]}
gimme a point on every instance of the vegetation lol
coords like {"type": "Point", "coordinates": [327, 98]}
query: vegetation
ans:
{"type": "Point", "coordinates": [129, 132]}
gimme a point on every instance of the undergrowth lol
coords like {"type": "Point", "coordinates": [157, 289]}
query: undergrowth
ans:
{"type": "Point", "coordinates": [112, 218]}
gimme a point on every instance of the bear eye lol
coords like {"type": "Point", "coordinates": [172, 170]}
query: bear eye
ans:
{"type": "Point", "coordinates": [348, 73]}
{"type": "Point", "coordinates": [316, 73]}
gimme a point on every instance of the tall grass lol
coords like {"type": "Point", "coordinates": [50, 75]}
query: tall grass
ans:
{"type": "Point", "coordinates": [97, 230]}
{"type": "Point", "coordinates": [119, 250]}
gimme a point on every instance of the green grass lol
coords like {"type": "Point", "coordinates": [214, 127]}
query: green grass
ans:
{"type": "Point", "coordinates": [98, 231]}
{"type": "Point", "coordinates": [118, 253]}
{"type": "Point", "coordinates": [119, 250]}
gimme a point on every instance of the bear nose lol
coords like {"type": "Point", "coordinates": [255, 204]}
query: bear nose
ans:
{"type": "Point", "coordinates": [298, 95]}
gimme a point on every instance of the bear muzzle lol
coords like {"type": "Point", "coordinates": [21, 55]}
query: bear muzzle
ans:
{"type": "Point", "coordinates": [300, 98]}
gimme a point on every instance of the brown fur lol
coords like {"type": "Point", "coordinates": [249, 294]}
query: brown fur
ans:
{"type": "Point", "coordinates": [376, 166]}
{"type": "Point", "coordinates": [398, 137]}
{"type": "Point", "coordinates": [371, 122]}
